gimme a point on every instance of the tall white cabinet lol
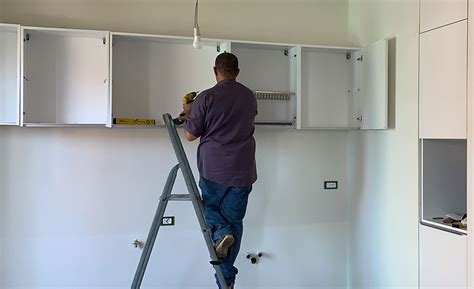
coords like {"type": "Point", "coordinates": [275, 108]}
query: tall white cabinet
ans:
{"type": "Point", "coordinates": [444, 139]}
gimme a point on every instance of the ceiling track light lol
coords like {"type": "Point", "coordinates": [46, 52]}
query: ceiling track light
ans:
{"type": "Point", "coordinates": [197, 42]}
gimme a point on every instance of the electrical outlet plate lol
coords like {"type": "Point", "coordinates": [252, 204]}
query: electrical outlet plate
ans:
{"type": "Point", "coordinates": [330, 185]}
{"type": "Point", "coordinates": [168, 221]}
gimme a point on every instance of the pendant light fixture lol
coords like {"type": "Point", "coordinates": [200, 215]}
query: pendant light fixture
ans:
{"type": "Point", "coordinates": [197, 43]}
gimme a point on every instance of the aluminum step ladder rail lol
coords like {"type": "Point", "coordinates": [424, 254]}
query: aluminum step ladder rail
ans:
{"type": "Point", "coordinates": [193, 196]}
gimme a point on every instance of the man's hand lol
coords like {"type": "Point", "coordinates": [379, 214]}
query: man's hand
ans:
{"type": "Point", "coordinates": [187, 107]}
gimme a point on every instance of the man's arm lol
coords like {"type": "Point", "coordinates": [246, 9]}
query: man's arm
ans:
{"type": "Point", "coordinates": [189, 136]}
{"type": "Point", "coordinates": [194, 115]}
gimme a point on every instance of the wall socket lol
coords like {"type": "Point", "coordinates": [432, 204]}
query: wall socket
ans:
{"type": "Point", "coordinates": [330, 185]}
{"type": "Point", "coordinates": [168, 221]}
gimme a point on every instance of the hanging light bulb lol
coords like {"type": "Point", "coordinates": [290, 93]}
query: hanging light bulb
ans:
{"type": "Point", "coordinates": [197, 42]}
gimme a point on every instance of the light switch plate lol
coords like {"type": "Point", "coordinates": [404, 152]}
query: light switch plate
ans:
{"type": "Point", "coordinates": [330, 185]}
{"type": "Point", "coordinates": [168, 221]}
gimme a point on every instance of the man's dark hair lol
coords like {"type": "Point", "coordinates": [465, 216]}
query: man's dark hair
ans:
{"type": "Point", "coordinates": [227, 64]}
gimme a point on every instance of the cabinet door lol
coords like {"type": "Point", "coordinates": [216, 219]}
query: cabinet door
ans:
{"type": "Point", "coordinates": [443, 72]}
{"type": "Point", "coordinates": [436, 13]}
{"type": "Point", "coordinates": [443, 259]}
{"type": "Point", "coordinates": [374, 96]}
{"type": "Point", "coordinates": [9, 74]}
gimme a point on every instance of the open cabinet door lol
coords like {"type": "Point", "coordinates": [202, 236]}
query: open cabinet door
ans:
{"type": "Point", "coordinates": [374, 102]}
{"type": "Point", "coordinates": [10, 74]}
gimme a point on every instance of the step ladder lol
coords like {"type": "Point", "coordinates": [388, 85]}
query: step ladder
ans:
{"type": "Point", "coordinates": [193, 196]}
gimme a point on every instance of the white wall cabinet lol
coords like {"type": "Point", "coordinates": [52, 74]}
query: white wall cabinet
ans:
{"type": "Point", "coordinates": [437, 13]}
{"type": "Point", "coordinates": [65, 76]}
{"type": "Point", "coordinates": [9, 74]}
{"type": "Point", "coordinates": [344, 88]}
{"type": "Point", "coordinates": [443, 86]}
{"type": "Point", "coordinates": [270, 70]}
{"type": "Point", "coordinates": [150, 74]}
{"type": "Point", "coordinates": [77, 77]}
{"type": "Point", "coordinates": [443, 259]}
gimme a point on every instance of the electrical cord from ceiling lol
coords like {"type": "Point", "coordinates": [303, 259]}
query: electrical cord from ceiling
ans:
{"type": "Point", "coordinates": [197, 43]}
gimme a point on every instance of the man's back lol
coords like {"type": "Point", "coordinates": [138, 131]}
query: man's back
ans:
{"type": "Point", "coordinates": [224, 117]}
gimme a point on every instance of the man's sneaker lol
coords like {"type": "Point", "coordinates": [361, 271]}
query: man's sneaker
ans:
{"type": "Point", "coordinates": [223, 245]}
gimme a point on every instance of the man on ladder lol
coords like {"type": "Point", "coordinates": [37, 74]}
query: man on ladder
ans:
{"type": "Point", "coordinates": [223, 118]}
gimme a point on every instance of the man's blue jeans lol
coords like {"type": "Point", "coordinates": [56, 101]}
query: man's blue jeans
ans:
{"type": "Point", "coordinates": [224, 210]}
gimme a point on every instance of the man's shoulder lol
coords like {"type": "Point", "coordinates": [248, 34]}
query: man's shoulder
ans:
{"type": "Point", "coordinates": [205, 92]}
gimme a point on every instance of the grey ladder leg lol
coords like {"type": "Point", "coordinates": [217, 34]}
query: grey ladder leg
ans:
{"type": "Point", "coordinates": [150, 241]}
{"type": "Point", "coordinates": [194, 194]}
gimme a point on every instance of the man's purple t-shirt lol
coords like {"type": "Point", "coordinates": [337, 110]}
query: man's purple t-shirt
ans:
{"type": "Point", "coordinates": [224, 117]}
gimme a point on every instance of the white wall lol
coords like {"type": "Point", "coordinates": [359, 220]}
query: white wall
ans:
{"type": "Point", "coordinates": [383, 165]}
{"type": "Point", "coordinates": [74, 199]}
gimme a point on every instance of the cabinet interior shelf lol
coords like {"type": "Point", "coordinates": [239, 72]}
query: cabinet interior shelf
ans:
{"type": "Point", "coordinates": [445, 227]}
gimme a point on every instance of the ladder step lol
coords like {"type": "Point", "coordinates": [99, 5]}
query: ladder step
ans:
{"type": "Point", "coordinates": [179, 197]}
{"type": "Point", "coordinates": [215, 263]}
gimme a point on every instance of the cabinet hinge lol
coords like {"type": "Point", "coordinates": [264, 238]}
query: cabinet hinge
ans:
{"type": "Point", "coordinates": [348, 56]}
{"type": "Point", "coordinates": [104, 40]}
{"type": "Point", "coordinates": [286, 52]}
{"type": "Point", "coordinates": [359, 118]}
{"type": "Point", "coordinates": [218, 48]}
{"type": "Point", "coordinates": [27, 37]}
{"type": "Point", "coordinates": [361, 58]}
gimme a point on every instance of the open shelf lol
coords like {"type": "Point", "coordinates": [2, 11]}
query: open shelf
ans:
{"type": "Point", "coordinates": [9, 74]}
{"type": "Point", "coordinates": [444, 181]}
{"type": "Point", "coordinates": [65, 76]}
{"type": "Point", "coordinates": [151, 74]}
{"type": "Point", "coordinates": [272, 70]}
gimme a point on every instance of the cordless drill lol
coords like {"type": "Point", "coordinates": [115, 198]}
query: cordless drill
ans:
{"type": "Point", "coordinates": [188, 98]}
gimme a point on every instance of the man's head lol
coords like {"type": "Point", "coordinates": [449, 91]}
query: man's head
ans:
{"type": "Point", "coordinates": [226, 67]}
